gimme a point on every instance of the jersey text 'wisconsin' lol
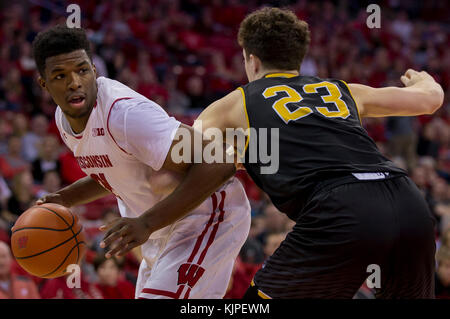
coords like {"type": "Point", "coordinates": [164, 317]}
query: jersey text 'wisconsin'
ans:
{"type": "Point", "coordinates": [92, 161]}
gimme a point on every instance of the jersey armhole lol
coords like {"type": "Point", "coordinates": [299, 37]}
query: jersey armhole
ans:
{"type": "Point", "coordinates": [356, 104]}
{"type": "Point", "coordinates": [246, 118]}
{"type": "Point", "coordinates": [107, 124]}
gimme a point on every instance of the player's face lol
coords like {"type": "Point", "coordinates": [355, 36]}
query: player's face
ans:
{"type": "Point", "coordinates": [70, 78]}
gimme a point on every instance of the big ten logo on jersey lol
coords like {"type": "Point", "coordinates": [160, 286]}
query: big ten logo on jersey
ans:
{"type": "Point", "coordinates": [101, 179]}
{"type": "Point", "coordinates": [98, 131]}
{"type": "Point", "coordinates": [189, 274]}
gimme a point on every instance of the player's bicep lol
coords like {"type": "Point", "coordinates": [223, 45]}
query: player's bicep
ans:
{"type": "Point", "coordinates": [389, 101]}
{"type": "Point", "coordinates": [181, 152]}
{"type": "Point", "coordinates": [189, 146]}
{"type": "Point", "coordinates": [227, 116]}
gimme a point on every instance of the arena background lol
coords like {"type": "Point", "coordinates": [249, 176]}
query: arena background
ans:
{"type": "Point", "coordinates": [184, 55]}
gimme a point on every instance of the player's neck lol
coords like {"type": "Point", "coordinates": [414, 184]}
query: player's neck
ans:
{"type": "Point", "coordinates": [78, 124]}
{"type": "Point", "coordinates": [274, 72]}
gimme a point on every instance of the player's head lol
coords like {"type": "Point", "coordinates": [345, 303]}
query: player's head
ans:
{"type": "Point", "coordinates": [63, 59]}
{"type": "Point", "coordinates": [273, 39]}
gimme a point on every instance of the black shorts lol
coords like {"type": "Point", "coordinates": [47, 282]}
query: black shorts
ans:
{"type": "Point", "coordinates": [344, 233]}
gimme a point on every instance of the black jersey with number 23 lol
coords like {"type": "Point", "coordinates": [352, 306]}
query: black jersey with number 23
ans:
{"type": "Point", "coordinates": [319, 136]}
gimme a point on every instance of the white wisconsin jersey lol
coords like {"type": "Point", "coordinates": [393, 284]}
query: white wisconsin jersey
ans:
{"type": "Point", "coordinates": [123, 147]}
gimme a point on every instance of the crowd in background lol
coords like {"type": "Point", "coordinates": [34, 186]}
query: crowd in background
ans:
{"type": "Point", "coordinates": [184, 55]}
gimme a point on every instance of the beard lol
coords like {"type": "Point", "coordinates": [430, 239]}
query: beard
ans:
{"type": "Point", "coordinates": [77, 114]}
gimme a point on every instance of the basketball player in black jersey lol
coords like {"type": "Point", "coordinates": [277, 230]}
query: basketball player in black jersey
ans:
{"type": "Point", "coordinates": [353, 207]}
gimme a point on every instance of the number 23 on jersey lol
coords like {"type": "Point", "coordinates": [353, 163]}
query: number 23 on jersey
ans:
{"type": "Point", "coordinates": [294, 96]}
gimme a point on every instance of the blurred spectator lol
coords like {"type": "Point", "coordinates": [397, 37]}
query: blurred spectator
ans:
{"type": "Point", "coordinates": [23, 196]}
{"type": "Point", "coordinates": [273, 241]}
{"type": "Point", "coordinates": [403, 140]}
{"type": "Point", "coordinates": [4, 133]}
{"type": "Point", "coordinates": [443, 273]}
{"type": "Point", "coordinates": [196, 93]}
{"type": "Point", "coordinates": [14, 91]}
{"type": "Point", "coordinates": [420, 178]}
{"type": "Point", "coordinates": [47, 159]}
{"type": "Point", "coordinates": [177, 102]}
{"type": "Point", "coordinates": [108, 215]}
{"type": "Point", "coordinates": [429, 144]}
{"type": "Point", "coordinates": [110, 283]}
{"type": "Point", "coordinates": [51, 184]}
{"type": "Point", "coordinates": [57, 288]}
{"type": "Point", "coordinates": [440, 202]}
{"type": "Point", "coordinates": [32, 139]}
{"type": "Point", "coordinates": [241, 278]}
{"type": "Point", "coordinates": [70, 170]}
{"type": "Point", "coordinates": [19, 125]}
{"type": "Point", "coordinates": [5, 194]}
{"type": "Point", "coordinates": [12, 163]}
{"type": "Point", "coordinates": [14, 286]}
{"type": "Point", "coordinates": [252, 252]}
{"type": "Point", "coordinates": [445, 237]}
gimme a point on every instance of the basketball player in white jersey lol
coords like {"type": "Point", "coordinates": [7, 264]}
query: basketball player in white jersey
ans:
{"type": "Point", "coordinates": [123, 142]}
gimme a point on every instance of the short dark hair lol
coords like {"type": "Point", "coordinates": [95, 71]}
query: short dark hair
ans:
{"type": "Point", "coordinates": [57, 40]}
{"type": "Point", "coordinates": [276, 36]}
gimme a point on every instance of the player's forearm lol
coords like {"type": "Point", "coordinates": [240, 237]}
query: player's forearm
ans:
{"type": "Point", "coordinates": [429, 93]}
{"type": "Point", "coordinates": [199, 183]}
{"type": "Point", "coordinates": [83, 191]}
{"type": "Point", "coordinates": [418, 99]}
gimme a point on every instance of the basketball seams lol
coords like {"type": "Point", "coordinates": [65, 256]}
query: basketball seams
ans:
{"type": "Point", "coordinates": [42, 228]}
{"type": "Point", "coordinates": [47, 250]}
{"type": "Point", "coordinates": [47, 228]}
{"type": "Point", "coordinates": [65, 258]}
{"type": "Point", "coordinates": [71, 229]}
{"type": "Point", "coordinates": [65, 221]}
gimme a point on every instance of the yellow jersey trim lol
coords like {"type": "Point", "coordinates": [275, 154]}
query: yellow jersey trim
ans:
{"type": "Point", "coordinates": [246, 117]}
{"type": "Point", "coordinates": [356, 104]}
{"type": "Point", "coordinates": [260, 293]}
{"type": "Point", "coordinates": [283, 75]}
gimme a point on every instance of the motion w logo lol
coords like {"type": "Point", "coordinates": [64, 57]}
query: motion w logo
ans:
{"type": "Point", "coordinates": [189, 274]}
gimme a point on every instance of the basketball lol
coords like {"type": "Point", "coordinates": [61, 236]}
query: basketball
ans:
{"type": "Point", "coordinates": [46, 239]}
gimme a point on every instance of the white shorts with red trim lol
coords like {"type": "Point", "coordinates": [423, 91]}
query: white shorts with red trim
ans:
{"type": "Point", "coordinates": [196, 258]}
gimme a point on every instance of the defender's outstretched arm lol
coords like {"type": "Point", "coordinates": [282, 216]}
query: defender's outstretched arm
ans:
{"type": "Point", "coordinates": [421, 95]}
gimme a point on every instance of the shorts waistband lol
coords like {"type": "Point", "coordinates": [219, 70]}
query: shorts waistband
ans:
{"type": "Point", "coordinates": [348, 178]}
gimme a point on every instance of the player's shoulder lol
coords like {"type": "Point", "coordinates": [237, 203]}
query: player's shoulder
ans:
{"type": "Point", "coordinates": [134, 113]}
{"type": "Point", "coordinates": [269, 81]}
{"type": "Point", "coordinates": [136, 105]}
{"type": "Point", "coordinates": [104, 81]}
{"type": "Point", "coordinates": [229, 102]}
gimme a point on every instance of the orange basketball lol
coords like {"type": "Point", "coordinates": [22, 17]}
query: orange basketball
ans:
{"type": "Point", "coordinates": [46, 239]}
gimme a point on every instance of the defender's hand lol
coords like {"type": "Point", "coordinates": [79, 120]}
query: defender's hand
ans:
{"type": "Point", "coordinates": [122, 235]}
{"type": "Point", "coordinates": [52, 198]}
{"type": "Point", "coordinates": [411, 77]}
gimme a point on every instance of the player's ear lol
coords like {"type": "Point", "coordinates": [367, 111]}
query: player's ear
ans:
{"type": "Point", "coordinates": [255, 63]}
{"type": "Point", "coordinates": [94, 69]}
{"type": "Point", "coordinates": [42, 83]}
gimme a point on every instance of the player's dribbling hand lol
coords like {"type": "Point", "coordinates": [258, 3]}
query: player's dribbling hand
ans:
{"type": "Point", "coordinates": [51, 198]}
{"type": "Point", "coordinates": [411, 77]}
{"type": "Point", "coordinates": [122, 235]}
